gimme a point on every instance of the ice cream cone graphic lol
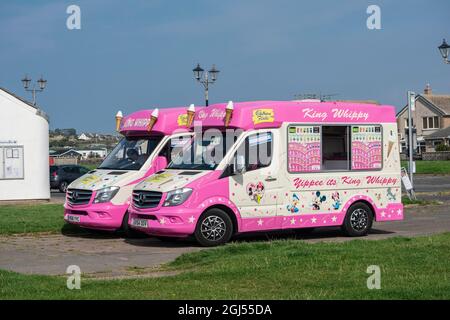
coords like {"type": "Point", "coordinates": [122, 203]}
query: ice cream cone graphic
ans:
{"type": "Point", "coordinates": [119, 117]}
{"type": "Point", "coordinates": [391, 142]}
{"type": "Point", "coordinates": [153, 119]}
{"type": "Point", "coordinates": [190, 115]}
{"type": "Point", "coordinates": [228, 113]}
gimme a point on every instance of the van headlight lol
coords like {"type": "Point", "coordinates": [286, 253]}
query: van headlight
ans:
{"type": "Point", "coordinates": [177, 197]}
{"type": "Point", "coordinates": [105, 194]}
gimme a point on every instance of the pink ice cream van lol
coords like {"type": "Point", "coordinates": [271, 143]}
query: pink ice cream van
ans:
{"type": "Point", "coordinates": [271, 165]}
{"type": "Point", "coordinates": [100, 199]}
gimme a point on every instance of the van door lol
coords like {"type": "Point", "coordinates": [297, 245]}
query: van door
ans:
{"type": "Point", "coordinates": [255, 190]}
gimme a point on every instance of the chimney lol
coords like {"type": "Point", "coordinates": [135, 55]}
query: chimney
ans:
{"type": "Point", "coordinates": [427, 89]}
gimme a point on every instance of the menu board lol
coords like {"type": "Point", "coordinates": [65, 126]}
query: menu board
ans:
{"type": "Point", "coordinates": [366, 147]}
{"type": "Point", "coordinates": [11, 166]}
{"type": "Point", "coordinates": [304, 148]}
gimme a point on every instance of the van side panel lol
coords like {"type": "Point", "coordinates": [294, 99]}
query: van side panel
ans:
{"type": "Point", "coordinates": [317, 199]}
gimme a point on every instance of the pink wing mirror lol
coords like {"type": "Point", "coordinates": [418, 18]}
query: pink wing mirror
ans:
{"type": "Point", "coordinates": [160, 163]}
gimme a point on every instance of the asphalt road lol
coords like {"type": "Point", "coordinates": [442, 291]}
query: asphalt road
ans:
{"type": "Point", "coordinates": [104, 255]}
{"type": "Point", "coordinates": [57, 197]}
{"type": "Point", "coordinates": [431, 183]}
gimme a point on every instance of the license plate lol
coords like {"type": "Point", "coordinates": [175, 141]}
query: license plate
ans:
{"type": "Point", "coordinates": [139, 223]}
{"type": "Point", "coordinates": [72, 218]}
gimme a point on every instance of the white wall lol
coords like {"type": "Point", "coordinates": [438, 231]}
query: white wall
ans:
{"type": "Point", "coordinates": [19, 122]}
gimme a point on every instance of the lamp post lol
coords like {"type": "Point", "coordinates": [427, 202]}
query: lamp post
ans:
{"type": "Point", "coordinates": [26, 84]}
{"type": "Point", "coordinates": [444, 49]}
{"type": "Point", "coordinates": [205, 78]}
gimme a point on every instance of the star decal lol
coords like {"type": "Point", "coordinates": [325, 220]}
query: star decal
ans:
{"type": "Point", "coordinates": [260, 222]}
{"type": "Point", "coordinates": [313, 220]}
{"type": "Point", "coordinates": [191, 219]}
{"type": "Point", "coordinates": [162, 221]}
{"type": "Point", "coordinates": [293, 221]}
{"type": "Point", "coordinates": [383, 214]}
{"type": "Point", "coordinates": [334, 219]}
{"type": "Point", "coordinates": [399, 212]}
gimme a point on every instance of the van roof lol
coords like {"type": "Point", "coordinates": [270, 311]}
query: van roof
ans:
{"type": "Point", "coordinates": [271, 114]}
{"type": "Point", "coordinates": [169, 120]}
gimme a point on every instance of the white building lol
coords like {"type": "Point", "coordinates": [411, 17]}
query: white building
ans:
{"type": "Point", "coordinates": [24, 162]}
{"type": "Point", "coordinates": [84, 137]}
{"type": "Point", "coordinates": [92, 153]}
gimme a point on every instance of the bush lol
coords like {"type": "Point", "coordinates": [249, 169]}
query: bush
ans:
{"type": "Point", "coordinates": [442, 147]}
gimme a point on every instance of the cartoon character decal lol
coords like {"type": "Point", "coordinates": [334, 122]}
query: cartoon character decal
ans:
{"type": "Point", "coordinates": [294, 203]}
{"type": "Point", "coordinates": [256, 191]}
{"type": "Point", "coordinates": [318, 201]}
{"type": "Point", "coordinates": [390, 195]}
{"type": "Point", "coordinates": [337, 200]}
{"type": "Point", "coordinates": [378, 196]}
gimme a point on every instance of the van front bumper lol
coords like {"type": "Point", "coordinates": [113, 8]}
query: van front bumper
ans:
{"type": "Point", "coordinates": [166, 221]}
{"type": "Point", "coordinates": [101, 216]}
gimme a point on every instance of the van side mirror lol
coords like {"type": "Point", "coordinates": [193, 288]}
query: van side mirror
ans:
{"type": "Point", "coordinates": [239, 166]}
{"type": "Point", "coordinates": [160, 163]}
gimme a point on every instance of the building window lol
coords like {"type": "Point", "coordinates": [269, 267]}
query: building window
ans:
{"type": "Point", "coordinates": [407, 123]}
{"type": "Point", "coordinates": [430, 122]}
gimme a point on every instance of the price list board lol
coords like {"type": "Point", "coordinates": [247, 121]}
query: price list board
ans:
{"type": "Point", "coordinates": [366, 147]}
{"type": "Point", "coordinates": [304, 153]}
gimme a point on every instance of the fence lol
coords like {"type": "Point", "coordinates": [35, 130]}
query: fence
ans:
{"type": "Point", "coordinates": [63, 161]}
{"type": "Point", "coordinates": [434, 156]}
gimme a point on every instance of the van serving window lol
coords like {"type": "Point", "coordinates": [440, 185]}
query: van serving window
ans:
{"type": "Point", "coordinates": [335, 148]}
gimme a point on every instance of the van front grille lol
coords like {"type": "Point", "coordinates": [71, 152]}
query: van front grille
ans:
{"type": "Point", "coordinates": [146, 199]}
{"type": "Point", "coordinates": [78, 197]}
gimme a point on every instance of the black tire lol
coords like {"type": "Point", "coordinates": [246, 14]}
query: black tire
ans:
{"type": "Point", "coordinates": [129, 232]}
{"type": "Point", "coordinates": [358, 220]}
{"type": "Point", "coordinates": [214, 228]}
{"type": "Point", "coordinates": [63, 186]}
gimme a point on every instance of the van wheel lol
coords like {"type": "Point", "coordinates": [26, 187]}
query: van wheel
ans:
{"type": "Point", "coordinates": [213, 228]}
{"type": "Point", "coordinates": [129, 232]}
{"type": "Point", "coordinates": [358, 220]}
{"type": "Point", "coordinates": [63, 186]}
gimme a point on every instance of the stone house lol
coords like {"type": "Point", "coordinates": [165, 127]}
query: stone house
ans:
{"type": "Point", "coordinates": [432, 115]}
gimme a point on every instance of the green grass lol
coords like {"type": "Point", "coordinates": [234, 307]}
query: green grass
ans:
{"type": "Point", "coordinates": [411, 268]}
{"type": "Point", "coordinates": [31, 218]}
{"type": "Point", "coordinates": [406, 200]}
{"type": "Point", "coordinates": [430, 167]}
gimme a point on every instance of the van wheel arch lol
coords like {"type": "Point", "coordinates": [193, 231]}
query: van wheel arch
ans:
{"type": "Point", "coordinates": [229, 212]}
{"type": "Point", "coordinates": [367, 203]}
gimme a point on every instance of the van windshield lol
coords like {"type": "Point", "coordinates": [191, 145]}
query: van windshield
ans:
{"type": "Point", "coordinates": [205, 150]}
{"type": "Point", "coordinates": [130, 153]}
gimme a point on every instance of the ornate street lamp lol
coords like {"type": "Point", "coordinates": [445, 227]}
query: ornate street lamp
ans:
{"type": "Point", "coordinates": [444, 48]}
{"type": "Point", "coordinates": [26, 85]}
{"type": "Point", "coordinates": [205, 78]}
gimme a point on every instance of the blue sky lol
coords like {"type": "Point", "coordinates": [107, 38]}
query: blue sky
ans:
{"type": "Point", "coordinates": [139, 54]}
